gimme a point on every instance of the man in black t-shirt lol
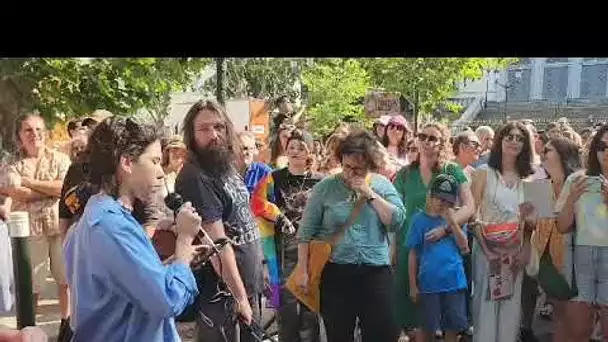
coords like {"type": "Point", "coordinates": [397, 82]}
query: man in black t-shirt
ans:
{"type": "Point", "coordinates": [210, 182]}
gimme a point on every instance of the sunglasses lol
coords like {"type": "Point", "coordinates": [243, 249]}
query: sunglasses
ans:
{"type": "Point", "coordinates": [396, 127]}
{"type": "Point", "coordinates": [426, 137]}
{"type": "Point", "coordinates": [514, 137]}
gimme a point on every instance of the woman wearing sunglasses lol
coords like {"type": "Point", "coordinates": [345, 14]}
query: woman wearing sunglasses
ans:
{"type": "Point", "coordinates": [560, 159]}
{"type": "Point", "coordinates": [412, 184]}
{"type": "Point", "coordinates": [498, 192]}
{"type": "Point", "coordinates": [583, 206]}
{"type": "Point", "coordinates": [395, 140]}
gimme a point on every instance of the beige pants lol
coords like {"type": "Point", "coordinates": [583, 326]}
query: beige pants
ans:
{"type": "Point", "coordinates": [42, 250]}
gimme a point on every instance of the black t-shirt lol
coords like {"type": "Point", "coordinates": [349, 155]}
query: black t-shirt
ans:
{"type": "Point", "coordinates": [225, 199]}
{"type": "Point", "coordinates": [291, 193]}
{"type": "Point", "coordinates": [76, 175]}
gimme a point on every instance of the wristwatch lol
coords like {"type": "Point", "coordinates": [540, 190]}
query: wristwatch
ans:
{"type": "Point", "coordinates": [371, 198]}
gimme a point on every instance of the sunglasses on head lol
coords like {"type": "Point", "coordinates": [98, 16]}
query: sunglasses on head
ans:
{"type": "Point", "coordinates": [426, 137]}
{"type": "Point", "coordinates": [514, 137]}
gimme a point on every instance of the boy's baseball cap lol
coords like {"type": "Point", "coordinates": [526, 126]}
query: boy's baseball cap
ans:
{"type": "Point", "coordinates": [445, 187]}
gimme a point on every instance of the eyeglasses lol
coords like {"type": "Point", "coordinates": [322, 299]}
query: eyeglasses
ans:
{"type": "Point", "coordinates": [396, 127]}
{"type": "Point", "coordinates": [358, 171]}
{"type": "Point", "coordinates": [474, 144]}
{"type": "Point", "coordinates": [426, 137]}
{"type": "Point", "coordinates": [514, 137]}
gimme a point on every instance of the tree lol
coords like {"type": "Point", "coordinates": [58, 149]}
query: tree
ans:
{"type": "Point", "coordinates": [261, 78]}
{"type": "Point", "coordinates": [71, 87]}
{"type": "Point", "coordinates": [434, 80]}
{"type": "Point", "coordinates": [335, 87]}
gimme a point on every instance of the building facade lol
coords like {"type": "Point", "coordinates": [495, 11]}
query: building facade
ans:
{"type": "Point", "coordinates": [542, 89]}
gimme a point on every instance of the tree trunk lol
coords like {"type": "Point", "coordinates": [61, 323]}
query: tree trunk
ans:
{"type": "Point", "coordinates": [10, 106]}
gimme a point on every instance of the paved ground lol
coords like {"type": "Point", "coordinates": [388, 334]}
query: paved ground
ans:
{"type": "Point", "coordinates": [48, 319]}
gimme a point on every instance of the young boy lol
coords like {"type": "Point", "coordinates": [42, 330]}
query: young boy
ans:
{"type": "Point", "coordinates": [437, 279]}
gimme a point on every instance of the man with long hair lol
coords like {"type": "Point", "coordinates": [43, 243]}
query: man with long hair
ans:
{"type": "Point", "coordinates": [210, 180]}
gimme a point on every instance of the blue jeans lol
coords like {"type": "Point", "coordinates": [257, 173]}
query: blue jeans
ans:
{"type": "Point", "coordinates": [445, 311]}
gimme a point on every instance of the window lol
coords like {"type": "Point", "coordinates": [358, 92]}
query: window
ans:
{"type": "Point", "coordinates": [519, 89]}
{"type": "Point", "coordinates": [555, 83]}
{"type": "Point", "coordinates": [593, 81]}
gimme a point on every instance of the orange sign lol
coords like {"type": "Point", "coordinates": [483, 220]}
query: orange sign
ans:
{"type": "Point", "coordinates": [259, 118]}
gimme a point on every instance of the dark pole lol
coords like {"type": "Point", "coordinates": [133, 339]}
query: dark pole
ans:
{"type": "Point", "coordinates": [416, 111]}
{"type": "Point", "coordinates": [220, 92]}
{"type": "Point", "coordinates": [22, 269]}
{"type": "Point", "coordinates": [506, 101]}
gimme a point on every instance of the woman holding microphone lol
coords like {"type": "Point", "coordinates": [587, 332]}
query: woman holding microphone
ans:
{"type": "Point", "coordinates": [121, 291]}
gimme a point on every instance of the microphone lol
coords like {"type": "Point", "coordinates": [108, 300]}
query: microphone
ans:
{"type": "Point", "coordinates": [175, 202]}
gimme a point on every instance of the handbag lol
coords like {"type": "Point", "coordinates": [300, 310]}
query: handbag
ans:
{"type": "Point", "coordinates": [553, 283]}
{"type": "Point", "coordinates": [319, 253]}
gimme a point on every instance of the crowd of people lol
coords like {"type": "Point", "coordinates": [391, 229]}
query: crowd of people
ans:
{"type": "Point", "coordinates": [431, 237]}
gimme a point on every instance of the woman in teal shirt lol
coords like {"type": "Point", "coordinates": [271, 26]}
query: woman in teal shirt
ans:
{"type": "Point", "coordinates": [411, 182]}
{"type": "Point", "coordinates": [357, 282]}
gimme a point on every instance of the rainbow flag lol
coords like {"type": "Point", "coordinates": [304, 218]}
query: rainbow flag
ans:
{"type": "Point", "coordinates": [266, 213]}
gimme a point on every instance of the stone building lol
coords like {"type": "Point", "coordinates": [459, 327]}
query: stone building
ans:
{"type": "Point", "coordinates": [541, 89]}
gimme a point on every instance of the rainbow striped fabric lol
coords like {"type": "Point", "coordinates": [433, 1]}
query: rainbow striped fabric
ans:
{"type": "Point", "coordinates": [266, 213]}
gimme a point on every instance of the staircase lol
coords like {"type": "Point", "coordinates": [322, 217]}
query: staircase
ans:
{"type": "Point", "coordinates": [580, 113]}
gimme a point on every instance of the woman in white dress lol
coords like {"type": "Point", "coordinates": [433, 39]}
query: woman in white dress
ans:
{"type": "Point", "coordinates": [497, 189]}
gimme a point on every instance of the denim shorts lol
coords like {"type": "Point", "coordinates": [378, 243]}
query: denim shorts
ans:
{"type": "Point", "coordinates": [445, 311]}
{"type": "Point", "coordinates": [591, 268]}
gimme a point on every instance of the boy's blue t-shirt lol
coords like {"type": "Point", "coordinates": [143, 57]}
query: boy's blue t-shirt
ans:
{"type": "Point", "coordinates": [440, 267]}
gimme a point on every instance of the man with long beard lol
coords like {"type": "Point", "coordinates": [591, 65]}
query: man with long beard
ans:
{"type": "Point", "coordinates": [210, 181]}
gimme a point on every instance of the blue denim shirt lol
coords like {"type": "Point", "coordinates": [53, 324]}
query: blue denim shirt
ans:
{"type": "Point", "coordinates": [120, 289]}
{"type": "Point", "coordinates": [366, 241]}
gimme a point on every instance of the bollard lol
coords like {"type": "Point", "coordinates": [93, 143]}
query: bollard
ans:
{"type": "Point", "coordinates": [19, 229]}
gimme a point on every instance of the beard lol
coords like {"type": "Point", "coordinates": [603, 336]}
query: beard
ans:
{"type": "Point", "coordinates": [216, 160]}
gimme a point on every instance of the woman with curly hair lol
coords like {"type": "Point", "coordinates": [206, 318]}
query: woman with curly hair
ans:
{"type": "Point", "coordinates": [357, 282]}
{"type": "Point", "coordinates": [412, 184]}
{"type": "Point", "coordinates": [124, 292]}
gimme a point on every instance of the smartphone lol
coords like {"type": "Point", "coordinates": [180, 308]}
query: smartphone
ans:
{"type": "Point", "coordinates": [594, 184]}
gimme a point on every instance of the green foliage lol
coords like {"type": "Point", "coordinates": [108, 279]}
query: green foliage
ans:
{"type": "Point", "coordinates": [72, 87]}
{"type": "Point", "coordinates": [434, 79]}
{"type": "Point", "coordinates": [260, 78]}
{"type": "Point", "coordinates": [335, 87]}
